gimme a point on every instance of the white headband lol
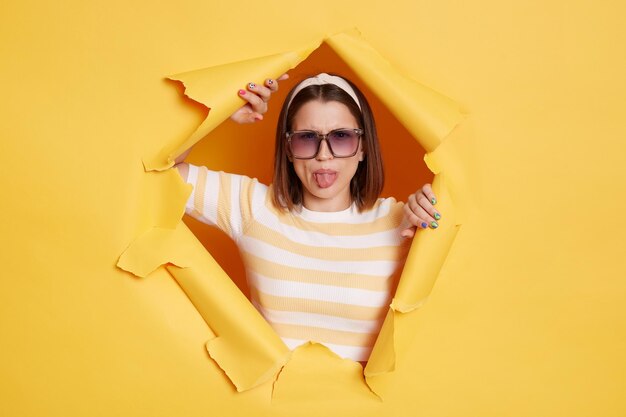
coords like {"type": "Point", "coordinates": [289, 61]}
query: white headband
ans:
{"type": "Point", "coordinates": [324, 78]}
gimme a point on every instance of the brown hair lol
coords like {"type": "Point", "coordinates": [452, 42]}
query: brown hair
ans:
{"type": "Point", "coordinates": [367, 183]}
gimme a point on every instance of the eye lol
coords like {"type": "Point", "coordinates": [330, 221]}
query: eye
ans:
{"type": "Point", "coordinates": [305, 135]}
{"type": "Point", "coordinates": [343, 134]}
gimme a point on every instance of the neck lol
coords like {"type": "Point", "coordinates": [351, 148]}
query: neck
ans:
{"type": "Point", "coordinates": [326, 205]}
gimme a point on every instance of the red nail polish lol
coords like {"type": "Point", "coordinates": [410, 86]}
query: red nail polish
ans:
{"type": "Point", "coordinates": [242, 92]}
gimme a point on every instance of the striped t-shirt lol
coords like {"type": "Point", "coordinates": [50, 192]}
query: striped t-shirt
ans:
{"type": "Point", "coordinates": [315, 276]}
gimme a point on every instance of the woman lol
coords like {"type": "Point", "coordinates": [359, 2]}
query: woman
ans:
{"type": "Point", "coordinates": [319, 245]}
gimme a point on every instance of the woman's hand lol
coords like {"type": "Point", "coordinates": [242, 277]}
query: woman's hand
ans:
{"type": "Point", "coordinates": [257, 97]}
{"type": "Point", "coordinates": [419, 211]}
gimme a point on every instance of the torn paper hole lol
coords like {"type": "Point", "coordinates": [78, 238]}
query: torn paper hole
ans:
{"type": "Point", "coordinates": [246, 348]}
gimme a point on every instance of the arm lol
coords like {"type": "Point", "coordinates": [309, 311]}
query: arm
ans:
{"type": "Point", "coordinates": [420, 212]}
{"type": "Point", "coordinates": [256, 98]}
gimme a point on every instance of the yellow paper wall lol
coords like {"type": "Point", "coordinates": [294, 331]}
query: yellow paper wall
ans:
{"type": "Point", "coordinates": [528, 314]}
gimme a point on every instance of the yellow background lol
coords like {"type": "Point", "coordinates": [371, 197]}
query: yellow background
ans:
{"type": "Point", "coordinates": [528, 315]}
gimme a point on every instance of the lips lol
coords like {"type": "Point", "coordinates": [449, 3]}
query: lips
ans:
{"type": "Point", "coordinates": [324, 178]}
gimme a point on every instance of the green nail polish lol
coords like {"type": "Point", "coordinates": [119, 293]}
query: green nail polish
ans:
{"type": "Point", "coordinates": [434, 225]}
{"type": "Point", "coordinates": [437, 216]}
{"type": "Point", "coordinates": [433, 201]}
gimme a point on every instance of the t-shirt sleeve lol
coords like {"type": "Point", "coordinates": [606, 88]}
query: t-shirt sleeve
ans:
{"type": "Point", "coordinates": [221, 199]}
{"type": "Point", "coordinates": [398, 210]}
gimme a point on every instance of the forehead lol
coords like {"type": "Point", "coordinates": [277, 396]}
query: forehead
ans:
{"type": "Point", "coordinates": [323, 116]}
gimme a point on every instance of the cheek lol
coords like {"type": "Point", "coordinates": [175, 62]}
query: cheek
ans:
{"type": "Point", "coordinates": [353, 165]}
{"type": "Point", "coordinates": [300, 167]}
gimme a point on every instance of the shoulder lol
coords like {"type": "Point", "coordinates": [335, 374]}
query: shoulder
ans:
{"type": "Point", "coordinates": [387, 211]}
{"type": "Point", "coordinates": [195, 172]}
{"type": "Point", "coordinates": [387, 207]}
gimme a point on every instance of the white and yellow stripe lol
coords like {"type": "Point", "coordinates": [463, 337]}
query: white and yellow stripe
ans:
{"type": "Point", "coordinates": [323, 277]}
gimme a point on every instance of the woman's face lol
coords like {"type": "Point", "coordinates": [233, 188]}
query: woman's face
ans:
{"type": "Point", "coordinates": [326, 179]}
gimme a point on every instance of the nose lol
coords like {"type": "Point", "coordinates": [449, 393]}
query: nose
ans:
{"type": "Point", "coordinates": [324, 151]}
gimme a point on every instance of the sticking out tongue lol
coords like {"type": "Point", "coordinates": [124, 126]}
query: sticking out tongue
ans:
{"type": "Point", "coordinates": [325, 179]}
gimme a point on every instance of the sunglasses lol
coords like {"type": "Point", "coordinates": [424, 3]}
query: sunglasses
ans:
{"type": "Point", "coordinates": [306, 144]}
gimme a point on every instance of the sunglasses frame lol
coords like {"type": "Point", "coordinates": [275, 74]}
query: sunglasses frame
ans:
{"type": "Point", "coordinates": [324, 137]}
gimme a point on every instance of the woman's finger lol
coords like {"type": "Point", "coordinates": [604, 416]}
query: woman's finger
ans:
{"type": "Point", "coordinates": [408, 233]}
{"type": "Point", "coordinates": [421, 221]}
{"type": "Point", "coordinates": [425, 205]}
{"type": "Point", "coordinates": [417, 208]}
{"type": "Point", "coordinates": [428, 192]}
{"type": "Point", "coordinates": [260, 90]}
{"type": "Point", "coordinates": [272, 85]}
{"type": "Point", "coordinates": [415, 204]}
{"type": "Point", "coordinates": [257, 104]}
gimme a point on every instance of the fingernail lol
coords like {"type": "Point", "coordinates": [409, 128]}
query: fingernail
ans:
{"type": "Point", "coordinates": [434, 225]}
{"type": "Point", "coordinates": [433, 201]}
{"type": "Point", "coordinates": [258, 117]}
{"type": "Point", "coordinates": [251, 86]}
{"type": "Point", "coordinates": [437, 216]}
{"type": "Point", "coordinates": [270, 81]}
{"type": "Point", "coordinates": [242, 92]}
{"type": "Point", "coordinates": [424, 225]}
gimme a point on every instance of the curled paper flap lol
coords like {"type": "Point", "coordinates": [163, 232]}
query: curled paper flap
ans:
{"type": "Point", "coordinates": [425, 260]}
{"type": "Point", "coordinates": [453, 158]}
{"type": "Point", "coordinates": [428, 115]}
{"type": "Point", "coordinates": [246, 347]}
{"type": "Point", "coordinates": [427, 255]}
{"type": "Point", "coordinates": [153, 249]}
{"type": "Point", "coordinates": [216, 88]}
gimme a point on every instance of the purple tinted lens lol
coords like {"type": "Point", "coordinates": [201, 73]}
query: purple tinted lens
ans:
{"type": "Point", "coordinates": [343, 142]}
{"type": "Point", "coordinates": [304, 144]}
